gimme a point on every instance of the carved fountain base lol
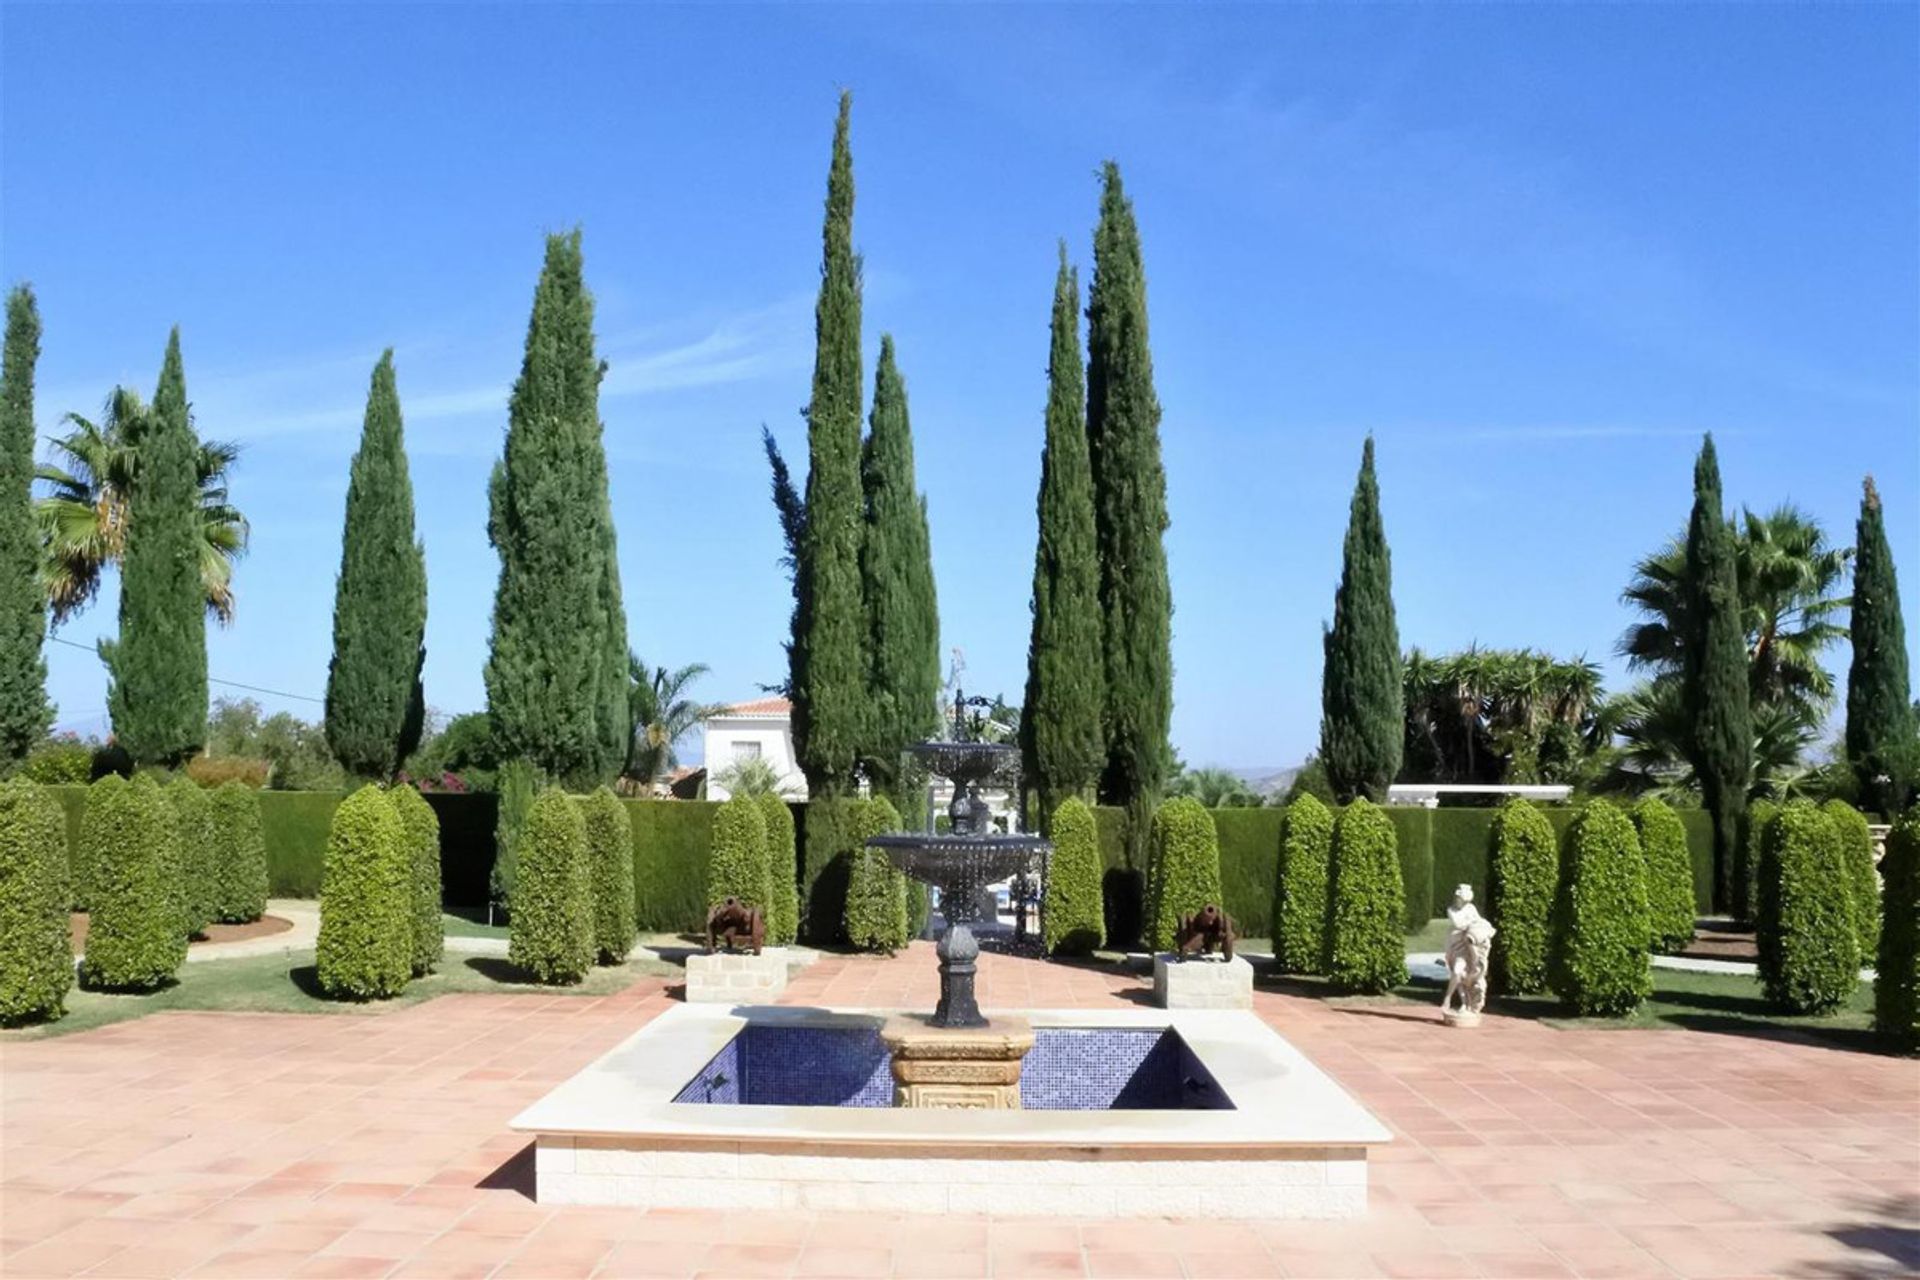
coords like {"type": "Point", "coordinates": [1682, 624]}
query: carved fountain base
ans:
{"type": "Point", "coordinates": [976, 1068]}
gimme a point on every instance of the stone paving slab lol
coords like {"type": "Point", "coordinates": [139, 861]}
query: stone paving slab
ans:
{"type": "Point", "coordinates": [270, 1145]}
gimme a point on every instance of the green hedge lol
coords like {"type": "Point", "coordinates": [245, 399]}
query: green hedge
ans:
{"type": "Point", "coordinates": [1663, 844]}
{"type": "Point", "coordinates": [1896, 992]}
{"type": "Point", "coordinates": [1075, 912]}
{"type": "Point", "coordinates": [783, 867]}
{"type": "Point", "coordinates": [1524, 856]}
{"type": "Point", "coordinates": [1601, 963]}
{"type": "Point", "coordinates": [1300, 891]}
{"type": "Point", "coordinates": [1809, 954]}
{"type": "Point", "coordinates": [136, 939]}
{"type": "Point", "coordinates": [199, 855]}
{"type": "Point", "coordinates": [240, 883]}
{"type": "Point", "coordinates": [1365, 904]}
{"type": "Point", "coordinates": [1185, 875]}
{"type": "Point", "coordinates": [1863, 884]}
{"type": "Point", "coordinates": [1247, 879]}
{"type": "Point", "coordinates": [295, 825]}
{"type": "Point", "coordinates": [671, 839]}
{"type": "Point", "coordinates": [737, 865]}
{"type": "Point", "coordinates": [877, 918]}
{"type": "Point", "coordinates": [422, 829]}
{"type": "Point", "coordinates": [365, 948]}
{"type": "Point", "coordinates": [610, 867]}
{"type": "Point", "coordinates": [36, 960]}
{"type": "Point", "coordinates": [551, 934]}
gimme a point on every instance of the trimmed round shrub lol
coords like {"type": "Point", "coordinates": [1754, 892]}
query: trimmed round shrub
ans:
{"type": "Point", "coordinates": [737, 866]}
{"type": "Point", "coordinates": [1663, 844]}
{"type": "Point", "coordinates": [365, 951]}
{"type": "Point", "coordinates": [551, 938]}
{"type": "Point", "coordinates": [515, 784]}
{"type": "Point", "coordinates": [80, 857]}
{"type": "Point", "coordinates": [1896, 989]}
{"type": "Point", "coordinates": [1075, 913]}
{"type": "Point", "coordinates": [199, 853]}
{"type": "Point", "coordinates": [1183, 868]}
{"type": "Point", "coordinates": [1366, 945]}
{"type": "Point", "coordinates": [135, 938]}
{"type": "Point", "coordinates": [876, 893]}
{"type": "Point", "coordinates": [1602, 965]}
{"type": "Point", "coordinates": [919, 907]}
{"type": "Point", "coordinates": [240, 865]}
{"type": "Point", "coordinates": [36, 959]}
{"type": "Point", "coordinates": [1809, 953]}
{"type": "Point", "coordinates": [610, 858]}
{"type": "Point", "coordinates": [1523, 865]}
{"type": "Point", "coordinates": [1863, 882]}
{"type": "Point", "coordinates": [1300, 887]}
{"type": "Point", "coordinates": [422, 828]}
{"type": "Point", "coordinates": [62, 762]}
{"type": "Point", "coordinates": [783, 868]}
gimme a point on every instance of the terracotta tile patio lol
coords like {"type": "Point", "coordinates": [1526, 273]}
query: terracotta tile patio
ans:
{"type": "Point", "coordinates": [375, 1145]}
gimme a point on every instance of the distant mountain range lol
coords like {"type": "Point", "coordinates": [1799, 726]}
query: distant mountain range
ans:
{"type": "Point", "coordinates": [1268, 780]}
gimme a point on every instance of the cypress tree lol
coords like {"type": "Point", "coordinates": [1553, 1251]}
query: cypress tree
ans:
{"type": "Point", "coordinates": [827, 659]}
{"type": "Point", "coordinates": [896, 572]}
{"type": "Point", "coordinates": [1714, 674]}
{"type": "Point", "coordinates": [24, 711]}
{"type": "Point", "coordinates": [1362, 699]}
{"type": "Point", "coordinates": [1880, 725]}
{"type": "Point", "coordinates": [556, 616]}
{"type": "Point", "coordinates": [157, 689]}
{"type": "Point", "coordinates": [374, 705]}
{"type": "Point", "coordinates": [1130, 516]}
{"type": "Point", "coordinates": [1061, 746]}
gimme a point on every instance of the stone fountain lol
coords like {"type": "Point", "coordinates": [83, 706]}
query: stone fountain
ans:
{"type": "Point", "coordinates": [957, 1057]}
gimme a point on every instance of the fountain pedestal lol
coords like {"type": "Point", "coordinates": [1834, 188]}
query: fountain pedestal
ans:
{"type": "Point", "coordinates": [976, 1068]}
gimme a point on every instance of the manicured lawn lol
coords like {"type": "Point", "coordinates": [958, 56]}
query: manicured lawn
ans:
{"type": "Point", "coordinates": [471, 924]}
{"type": "Point", "coordinates": [286, 984]}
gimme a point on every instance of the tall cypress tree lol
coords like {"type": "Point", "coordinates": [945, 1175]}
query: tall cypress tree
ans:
{"type": "Point", "coordinates": [374, 703]}
{"type": "Point", "coordinates": [1714, 673]}
{"type": "Point", "coordinates": [896, 575]}
{"type": "Point", "coordinates": [1061, 746]}
{"type": "Point", "coordinates": [828, 658]}
{"type": "Point", "coordinates": [556, 611]}
{"type": "Point", "coordinates": [1362, 699]}
{"type": "Point", "coordinates": [157, 667]}
{"type": "Point", "coordinates": [24, 712]}
{"type": "Point", "coordinates": [1881, 732]}
{"type": "Point", "coordinates": [1130, 515]}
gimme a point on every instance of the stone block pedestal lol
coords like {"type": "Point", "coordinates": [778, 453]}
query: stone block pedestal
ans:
{"type": "Point", "coordinates": [957, 1067]}
{"type": "Point", "coordinates": [1202, 982]}
{"type": "Point", "coordinates": [737, 977]}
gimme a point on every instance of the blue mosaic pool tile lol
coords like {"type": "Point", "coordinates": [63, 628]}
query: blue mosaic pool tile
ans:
{"type": "Point", "coordinates": [1068, 1069]}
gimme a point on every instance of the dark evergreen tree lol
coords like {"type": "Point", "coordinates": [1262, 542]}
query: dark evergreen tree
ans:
{"type": "Point", "coordinates": [896, 577]}
{"type": "Point", "coordinates": [556, 613]}
{"type": "Point", "coordinates": [374, 705]}
{"type": "Point", "coordinates": [1061, 745]}
{"type": "Point", "coordinates": [24, 710]}
{"type": "Point", "coordinates": [1880, 722]}
{"type": "Point", "coordinates": [1362, 698]}
{"type": "Point", "coordinates": [157, 689]}
{"type": "Point", "coordinates": [827, 659]}
{"type": "Point", "coordinates": [1130, 518]}
{"type": "Point", "coordinates": [1714, 675]}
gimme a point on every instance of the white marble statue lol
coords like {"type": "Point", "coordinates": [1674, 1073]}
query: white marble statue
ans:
{"type": "Point", "coordinates": [1468, 946]}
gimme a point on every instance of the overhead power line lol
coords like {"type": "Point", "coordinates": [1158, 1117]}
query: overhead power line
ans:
{"type": "Point", "coordinates": [229, 684]}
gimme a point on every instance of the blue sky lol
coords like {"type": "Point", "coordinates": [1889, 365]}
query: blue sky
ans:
{"type": "Point", "coordinates": [1535, 251]}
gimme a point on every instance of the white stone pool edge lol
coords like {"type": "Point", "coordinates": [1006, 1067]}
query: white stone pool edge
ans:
{"type": "Point", "coordinates": [1295, 1146]}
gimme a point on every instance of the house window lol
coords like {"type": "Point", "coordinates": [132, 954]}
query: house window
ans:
{"type": "Point", "coordinates": [745, 751]}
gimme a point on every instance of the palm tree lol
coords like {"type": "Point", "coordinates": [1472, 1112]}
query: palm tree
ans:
{"type": "Point", "coordinates": [1496, 715]}
{"type": "Point", "coordinates": [83, 513]}
{"type": "Point", "coordinates": [1214, 788]}
{"type": "Point", "coordinates": [661, 715]}
{"type": "Point", "coordinates": [1790, 582]}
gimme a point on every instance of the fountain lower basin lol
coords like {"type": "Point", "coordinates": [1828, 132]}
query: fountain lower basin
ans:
{"type": "Point", "coordinates": [1292, 1144]}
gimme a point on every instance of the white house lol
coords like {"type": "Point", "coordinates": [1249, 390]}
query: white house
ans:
{"type": "Point", "coordinates": [757, 730]}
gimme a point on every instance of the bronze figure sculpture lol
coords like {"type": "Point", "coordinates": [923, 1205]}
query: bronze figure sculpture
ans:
{"type": "Point", "coordinates": [734, 921]}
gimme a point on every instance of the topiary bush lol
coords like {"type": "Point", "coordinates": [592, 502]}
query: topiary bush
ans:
{"type": "Point", "coordinates": [1855, 843]}
{"type": "Point", "coordinates": [783, 916]}
{"type": "Point", "coordinates": [1075, 910]}
{"type": "Point", "coordinates": [829, 841]}
{"type": "Point", "coordinates": [551, 935]}
{"type": "Point", "coordinates": [135, 935]}
{"type": "Point", "coordinates": [365, 951]}
{"type": "Point", "coordinates": [84, 849]}
{"type": "Point", "coordinates": [1523, 865]}
{"type": "Point", "coordinates": [610, 861]}
{"type": "Point", "coordinates": [1746, 867]}
{"type": "Point", "coordinates": [1183, 867]}
{"type": "Point", "coordinates": [36, 959]}
{"type": "Point", "coordinates": [1669, 870]}
{"type": "Point", "coordinates": [1366, 946]}
{"type": "Point", "coordinates": [1300, 887]}
{"type": "Point", "coordinates": [738, 866]}
{"type": "Point", "coordinates": [877, 917]}
{"type": "Point", "coordinates": [422, 829]}
{"type": "Point", "coordinates": [517, 784]}
{"type": "Point", "coordinates": [1809, 953]}
{"type": "Point", "coordinates": [60, 762]}
{"type": "Point", "coordinates": [1896, 988]}
{"type": "Point", "coordinates": [199, 854]}
{"type": "Point", "coordinates": [240, 859]}
{"type": "Point", "coordinates": [1601, 963]}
